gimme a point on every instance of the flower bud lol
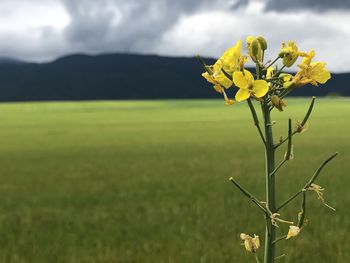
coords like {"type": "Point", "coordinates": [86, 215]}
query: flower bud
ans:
{"type": "Point", "coordinates": [289, 84]}
{"type": "Point", "coordinates": [262, 42]}
{"type": "Point", "coordinates": [282, 53]}
{"type": "Point", "coordinates": [256, 49]}
{"type": "Point", "coordinates": [277, 102]}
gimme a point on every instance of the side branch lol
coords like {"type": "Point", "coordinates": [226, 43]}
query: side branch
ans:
{"type": "Point", "coordinates": [289, 153]}
{"type": "Point", "coordinates": [319, 169]}
{"type": "Point", "coordinates": [205, 67]}
{"type": "Point", "coordinates": [302, 124]}
{"type": "Point", "coordinates": [308, 113]}
{"type": "Point", "coordinates": [249, 195]}
{"type": "Point", "coordinates": [256, 120]}
{"type": "Point", "coordinates": [301, 216]}
{"type": "Point", "coordinates": [311, 181]}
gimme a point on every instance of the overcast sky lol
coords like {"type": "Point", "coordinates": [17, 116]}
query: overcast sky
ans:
{"type": "Point", "coordinates": [42, 30]}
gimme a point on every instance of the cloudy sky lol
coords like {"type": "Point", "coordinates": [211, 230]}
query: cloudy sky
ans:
{"type": "Point", "coordinates": [42, 30]}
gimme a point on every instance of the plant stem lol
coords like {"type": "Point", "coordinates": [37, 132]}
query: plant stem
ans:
{"type": "Point", "coordinates": [280, 239]}
{"type": "Point", "coordinates": [249, 195]}
{"type": "Point", "coordinates": [311, 181]}
{"type": "Point", "coordinates": [256, 120]}
{"type": "Point", "coordinates": [289, 200]}
{"type": "Point", "coordinates": [270, 234]}
{"type": "Point", "coordinates": [273, 62]}
{"type": "Point", "coordinates": [308, 113]}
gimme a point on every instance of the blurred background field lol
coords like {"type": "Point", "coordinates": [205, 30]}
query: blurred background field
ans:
{"type": "Point", "coordinates": [147, 181]}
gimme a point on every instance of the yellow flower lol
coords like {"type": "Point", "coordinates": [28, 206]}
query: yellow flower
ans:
{"type": "Point", "coordinates": [293, 232]}
{"type": "Point", "coordinates": [311, 72]}
{"type": "Point", "coordinates": [254, 48]}
{"type": "Point", "coordinates": [212, 80]}
{"type": "Point", "coordinates": [290, 53]}
{"type": "Point", "coordinates": [251, 244]}
{"type": "Point", "coordinates": [248, 86]}
{"type": "Point", "coordinates": [231, 61]}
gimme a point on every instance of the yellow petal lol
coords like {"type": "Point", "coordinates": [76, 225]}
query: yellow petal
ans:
{"type": "Point", "coordinates": [307, 60]}
{"type": "Point", "coordinates": [208, 77]}
{"type": "Point", "coordinates": [270, 72]}
{"type": "Point", "coordinates": [229, 102]}
{"type": "Point", "coordinates": [250, 39]}
{"type": "Point", "coordinates": [218, 88]}
{"type": "Point", "coordinates": [319, 73]}
{"type": "Point", "coordinates": [243, 81]}
{"type": "Point", "coordinates": [242, 94]}
{"type": "Point", "coordinates": [222, 79]}
{"type": "Point", "coordinates": [230, 60]}
{"type": "Point", "coordinates": [260, 88]}
{"type": "Point", "coordinates": [256, 241]}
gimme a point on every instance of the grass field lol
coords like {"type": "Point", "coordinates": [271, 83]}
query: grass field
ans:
{"type": "Point", "coordinates": [147, 182]}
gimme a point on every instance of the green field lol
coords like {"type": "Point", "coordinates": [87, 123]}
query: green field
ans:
{"type": "Point", "coordinates": [147, 182]}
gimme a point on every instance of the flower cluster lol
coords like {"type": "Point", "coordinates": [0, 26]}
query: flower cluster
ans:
{"type": "Point", "coordinates": [268, 79]}
{"type": "Point", "coordinates": [269, 84]}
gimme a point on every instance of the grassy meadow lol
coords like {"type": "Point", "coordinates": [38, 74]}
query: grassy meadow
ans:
{"type": "Point", "coordinates": [147, 181]}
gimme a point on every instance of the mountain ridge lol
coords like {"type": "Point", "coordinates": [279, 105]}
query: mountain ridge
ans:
{"type": "Point", "coordinates": [122, 76]}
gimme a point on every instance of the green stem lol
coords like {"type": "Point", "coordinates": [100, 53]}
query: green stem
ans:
{"type": "Point", "coordinates": [289, 200]}
{"type": "Point", "coordinates": [307, 115]}
{"type": "Point", "coordinates": [270, 234]}
{"type": "Point", "coordinates": [256, 258]}
{"type": "Point", "coordinates": [273, 62]}
{"type": "Point", "coordinates": [319, 169]}
{"type": "Point", "coordinates": [301, 218]}
{"type": "Point", "coordinates": [280, 70]}
{"type": "Point", "coordinates": [249, 195]}
{"type": "Point", "coordinates": [311, 181]}
{"type": "Point", "coordinates": [205, 67]}
{"type": "Point", "coordinates": [256, 120]}
{"type": "Point", "coordinates": [278, 166]}
{"type": "Point", "coordinates": [280, 239]}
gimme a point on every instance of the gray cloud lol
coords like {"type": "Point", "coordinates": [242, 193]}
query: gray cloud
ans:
{"type": "Point", "coordinates": [42, 30]}
{"type": "Point", "coordinates": [315, 5]}
{"type": "Point", "coordinates": [126, 25]}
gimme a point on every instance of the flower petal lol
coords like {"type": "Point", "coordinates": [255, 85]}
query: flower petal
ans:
{"type": "Point", "coordinates": [223, 79]}
{"type": "Point", "coordinates": [208, 77]}
{"type": "Point", "coordinates": [218, 88]}
{"type": "Point", "coordinates": [242, 94]}
{"type": "Point", "coordinates": [230, 60]}
{"type": "Point", "coordinates": [260, 88]}
{"type": "Point", "coordinates": [319, 72]}
{"type": "Point", "coordinates": [243, 80]}
{"type": "Point", "coordinates": [270, 72]}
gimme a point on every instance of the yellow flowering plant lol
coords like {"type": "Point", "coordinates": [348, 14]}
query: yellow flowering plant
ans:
{"type": "Point", "coordinates": [268, 85]}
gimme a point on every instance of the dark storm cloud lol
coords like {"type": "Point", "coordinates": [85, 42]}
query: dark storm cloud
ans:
{"type": "Point", "coordinates": [315, 5]}
{"type": "Point", "coordinates": [125, 25]}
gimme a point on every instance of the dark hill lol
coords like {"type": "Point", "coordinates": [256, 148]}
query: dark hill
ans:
{"type": "Point", "coordinates": [120, 76]}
